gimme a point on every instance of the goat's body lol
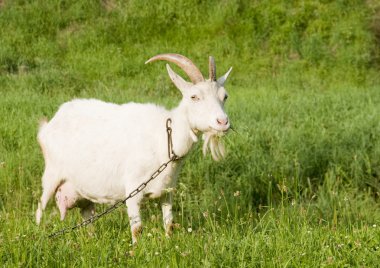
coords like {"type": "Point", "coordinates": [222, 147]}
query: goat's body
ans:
{"type": "Point", "coordinates": [105, 149]}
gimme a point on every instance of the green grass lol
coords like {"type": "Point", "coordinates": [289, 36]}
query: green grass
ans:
{"type": "Point", "coordinates": [300, 185]}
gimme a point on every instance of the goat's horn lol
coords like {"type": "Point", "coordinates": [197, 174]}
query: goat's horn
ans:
{"type": "Point", "coordinates": [212, 69]}
{"type": "Point", "coordinates": [184, 63]}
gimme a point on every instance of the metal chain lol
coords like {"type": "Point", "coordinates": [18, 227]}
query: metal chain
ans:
{"type": "Point", "coordinates": [172, 157]}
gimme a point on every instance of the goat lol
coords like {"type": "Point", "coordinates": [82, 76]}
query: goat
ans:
{"type": "Point", "coordinates": [98, 152]}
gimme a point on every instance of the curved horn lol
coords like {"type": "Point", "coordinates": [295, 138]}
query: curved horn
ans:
{"type": "Point", "coordinates": [212, 69]}
{"type": "Point", "coordinates": [184, 63]}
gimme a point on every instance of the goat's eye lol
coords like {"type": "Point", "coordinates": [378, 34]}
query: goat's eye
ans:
{"type": "Point", "coordinates": [195, 98]}
{"type": "Point", "coordinates": [225, 97]}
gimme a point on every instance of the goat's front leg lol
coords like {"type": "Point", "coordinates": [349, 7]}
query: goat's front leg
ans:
{"type": "Point", "coordinates": [167, 214]}
{"type": "Point", "coordinates": [133, 208]}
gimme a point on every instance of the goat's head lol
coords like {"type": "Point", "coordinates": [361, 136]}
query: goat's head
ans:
{"type": "Point", "coordinates": [204, 100]}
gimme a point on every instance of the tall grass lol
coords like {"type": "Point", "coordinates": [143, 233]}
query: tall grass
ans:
{"type": "Point", "coordinates": [300, 184]}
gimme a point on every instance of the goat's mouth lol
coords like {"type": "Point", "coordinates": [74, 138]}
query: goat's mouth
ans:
{"type": "Point", "coordinates": [218, 131]}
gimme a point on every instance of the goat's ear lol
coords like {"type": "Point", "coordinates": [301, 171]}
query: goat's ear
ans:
{"type": "Point", "coordinates": [178, 81]}
{"type": "Point", "coordinates": [223, 79]}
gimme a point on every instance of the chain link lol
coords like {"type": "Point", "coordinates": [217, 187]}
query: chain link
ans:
{"type": "Point", "coordinates": [172, 157]}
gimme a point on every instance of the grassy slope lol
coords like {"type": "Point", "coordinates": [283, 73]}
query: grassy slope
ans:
{"type": "Point", "coordinates": [304, 164]}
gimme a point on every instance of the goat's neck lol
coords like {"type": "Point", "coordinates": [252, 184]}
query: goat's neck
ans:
{"type": "Point", "coordinates": [182, 135]}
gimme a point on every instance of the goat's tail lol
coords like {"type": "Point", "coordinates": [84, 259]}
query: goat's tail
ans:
{"type": "Point", "coordinates": [42, 123]}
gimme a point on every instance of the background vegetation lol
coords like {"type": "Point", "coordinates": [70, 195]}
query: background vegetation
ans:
{"type": "Point", "coordinates": [300, 185]}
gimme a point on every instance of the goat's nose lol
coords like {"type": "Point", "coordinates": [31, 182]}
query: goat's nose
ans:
{"type": "Point", "coordinates": [222, 121]}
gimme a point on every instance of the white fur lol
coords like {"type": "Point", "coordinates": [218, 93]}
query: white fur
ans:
{"type": "Point", "coordinates": [104, 150]}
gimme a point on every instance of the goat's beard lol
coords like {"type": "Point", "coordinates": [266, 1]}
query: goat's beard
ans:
{"type": "Point", "coordinates": [213, 141]}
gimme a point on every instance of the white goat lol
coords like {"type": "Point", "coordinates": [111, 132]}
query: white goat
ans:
{"type": "Point", "coordinates": [97, 152]}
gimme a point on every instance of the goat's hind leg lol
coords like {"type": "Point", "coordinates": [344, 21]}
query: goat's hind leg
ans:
{"type": "Point", "coordinates": [167, 214]}
{"type": "Point", "coordinates": [87, 209]}
{"type": "Point", "coordinates": [50, 182]}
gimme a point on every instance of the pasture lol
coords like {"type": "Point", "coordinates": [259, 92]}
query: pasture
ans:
{"type": "Point", "coordinates": [300, 185]}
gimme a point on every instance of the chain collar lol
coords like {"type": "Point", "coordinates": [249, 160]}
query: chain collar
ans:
{"type": "Point", "coordinates": [171, 154]}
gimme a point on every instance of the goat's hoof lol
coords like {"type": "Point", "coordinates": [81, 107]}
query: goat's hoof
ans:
{"type": "Point", "coordinates": [169, 229]}
{"type": "Point", "coordinates": [136, 232]}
